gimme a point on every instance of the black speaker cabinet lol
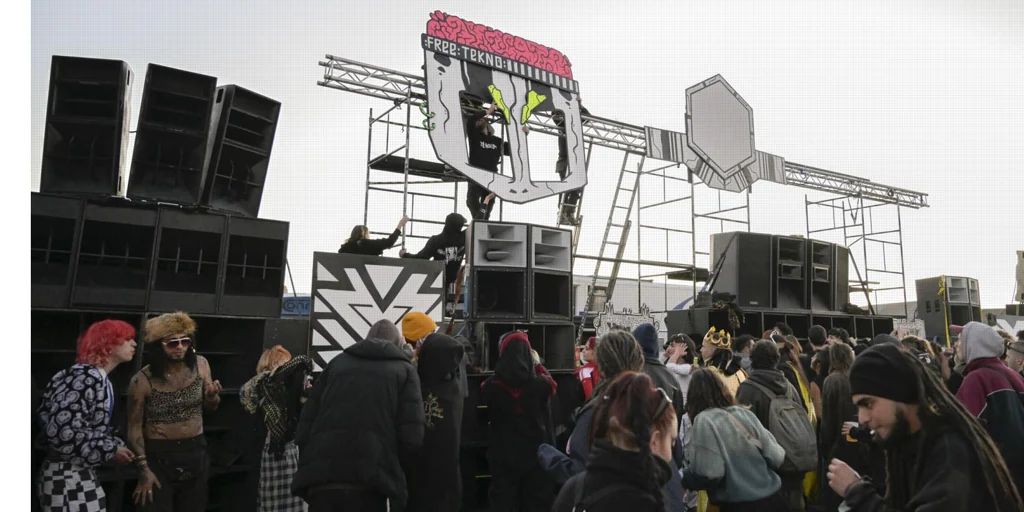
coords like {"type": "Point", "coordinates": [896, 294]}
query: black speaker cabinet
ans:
{"type": "Point", "coordinates": [292, 333]}
{"type": "Point", "coordinates": [744, 261]}
{"type": "Point", "coordinates": [550, 295]}
{"type": "Point", "coordinates": [239, 149]}
{"type": "Point", "coordinates": [56, 224]}
{"type": "Point", "coordinates": [169, 163]}
{"type": "Point", "coordinates": [257, 250]}
{"type": "Point", "coordinates": [938, 311]}
{"type": "Point", "coordinates": [841, 277]}
{"type": "Point", "coordinates": [820, 275]}
{"type": "Point", "coordinates": [86, 137]}
{"type": "Point", "coordinates": [114, 257]}
{"type": "Point", "coordinates": [790, 272]}
{"type": "Point", "coordinates": [498, 293]}
{"type": "Point", "coordinates": [188, 261]}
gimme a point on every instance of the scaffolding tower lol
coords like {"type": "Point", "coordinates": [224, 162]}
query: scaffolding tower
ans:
{"type": "Point", "coordinates": [626, 211]}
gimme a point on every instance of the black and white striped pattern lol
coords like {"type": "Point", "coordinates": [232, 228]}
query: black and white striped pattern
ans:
{"type": "Point", "coordinates": [65, 487]}
{"type": "Point", "coordinates": [665, 144]}
{"type": "Point", "coordinates": [539, 75]}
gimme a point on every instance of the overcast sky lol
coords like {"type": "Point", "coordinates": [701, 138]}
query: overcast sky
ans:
{"type": "Point", "coordinates": [924, 95]}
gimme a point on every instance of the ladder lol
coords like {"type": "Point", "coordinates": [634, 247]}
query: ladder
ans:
{"type": "Point", "coordinates": [618, 218]}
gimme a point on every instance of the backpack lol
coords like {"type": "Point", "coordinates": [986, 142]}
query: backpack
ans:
{"type": "Point", "coordinates": [579, 498]}
{"type": "Point", "coordinates": [788, 423]}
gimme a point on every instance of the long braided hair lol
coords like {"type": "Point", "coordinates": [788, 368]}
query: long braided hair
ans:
{"type": "Point", "coordinates": [617, 352]}
{"type": "Point", "coordinates": [940, 407]}
{"type": "Point", "coordinates": [629, 412]}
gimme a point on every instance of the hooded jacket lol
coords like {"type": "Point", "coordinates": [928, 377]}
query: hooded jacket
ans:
{"type": "Point", "coordinates": [449, 247]}
{"type": "Point", "coordinates": [759, 402]}
{"type": "Point", "coordinates": [615, 480]}
{"type": "Point", "coordinates": [361, 438]}
{"type": "Point", "coordinates": [994, 394]}
{"type": "Point", "coordinates": [647, 336]}
{"type": "Point", "coordinates": [517, 398]}
{"type": "Point", "coordinates": [435, 484]}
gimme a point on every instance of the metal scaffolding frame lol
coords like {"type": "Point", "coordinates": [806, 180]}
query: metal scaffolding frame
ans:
{"type": "Point", "coordinates": [407, 89]}
{"type": "Point", "coordinates": [859, 231]}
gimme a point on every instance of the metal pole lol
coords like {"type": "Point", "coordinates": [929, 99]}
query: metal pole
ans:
{"type": "Point", "coordinates": [693, 244]}
{"type": "Point", "coordinates": [405, 165]}
{"type": "Point", "coordinates": [903, 275]}
{"type": "Point", "coordinates": [366, 192]}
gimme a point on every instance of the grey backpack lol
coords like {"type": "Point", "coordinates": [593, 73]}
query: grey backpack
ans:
{"type": "Point", "coordinates": [788, 423]}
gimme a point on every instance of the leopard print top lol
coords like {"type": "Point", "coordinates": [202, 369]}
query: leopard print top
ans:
{"type": "Point", "coordinates": [168, 407]}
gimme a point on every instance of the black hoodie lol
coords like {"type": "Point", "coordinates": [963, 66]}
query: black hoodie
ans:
{"type": "Point", "coordinates": [435, 484]}
{"type": "Point", "coordinates": [647, 336]}
{"type": "Point", "coordinates": [363, 419]}
{"type": "Point", "coordinates": [449, 247]}
{"type": "Point", "coordinates": [615, 480]}
{"type": "Point", "coordinates": [516, 398]}
{"type": "Point", "coordinates": [760, 403]}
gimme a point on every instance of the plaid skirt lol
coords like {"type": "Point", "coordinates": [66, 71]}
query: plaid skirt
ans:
{"type": "Point", "coordinates": [276, 474]}
{"type": "Point", "coordinates": [64, 487]}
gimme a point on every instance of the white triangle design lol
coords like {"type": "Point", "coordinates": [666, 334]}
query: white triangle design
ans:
{"type": "Point", "coordinates": [324, 275]}
{"type": "Point", "coordinates": [319, 306]}
{"type": "Point", "coordinates": [327, 355]}
{"type": "Point", "coordinates": [383, 277]}
{"type": "Point", "coordinates": [340, 334]}
{"type": "Point", "coordinates": [439, 282]}
{"type": "Point", "coordinates": [319, 340]}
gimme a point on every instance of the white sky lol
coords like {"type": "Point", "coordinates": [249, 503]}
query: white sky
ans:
{"type": "Point", "coordinates": [925, 95]}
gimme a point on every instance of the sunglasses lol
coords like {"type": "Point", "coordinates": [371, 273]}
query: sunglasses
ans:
{"type": "Point", "coordinates": [176, 342]}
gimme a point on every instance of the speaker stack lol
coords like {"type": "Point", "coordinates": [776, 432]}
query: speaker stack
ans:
{"type": "Point", "coordinates": [180, 233]}
{"type": "Point", "coordinates": [775, 279]}
{"type": "Point", "coordinates": [521, 278]}
{"type": "Point", "coordinates": [958, 303]}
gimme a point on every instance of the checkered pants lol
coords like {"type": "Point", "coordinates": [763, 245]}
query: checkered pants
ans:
{"type": "Point", "coordinates": [67, 488]}
{"type": "Point", "coordinates": [276, 480]}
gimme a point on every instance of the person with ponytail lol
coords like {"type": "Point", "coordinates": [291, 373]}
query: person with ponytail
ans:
{"type": "Point", "coordinates": [729, 453]}
{"type": "Point", "coordinates": [517, 397]}
{"type": "Point", "coordinates": [938, 456]}
{"type": "Point", "coordinates": [631, 436]}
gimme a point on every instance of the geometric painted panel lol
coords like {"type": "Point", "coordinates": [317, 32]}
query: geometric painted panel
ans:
{"type": "Point", "coordinates": [350, 293]}
{"type": "Point", "coordinates": [665, 145]}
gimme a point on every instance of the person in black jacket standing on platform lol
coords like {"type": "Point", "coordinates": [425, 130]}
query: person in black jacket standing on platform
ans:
{"type": "Point", "coordinates": [485, 151]}
{"type": "Point", "coordinates": [516, 397]}
{"type": "Point", "coordinates": [449, 247]}
{"type": "Point", "coordinates": [361, 426]}
{"type": "Point", "coordinates": [938, 456]}
{"type": "Point", "coordinates": [359, 241]}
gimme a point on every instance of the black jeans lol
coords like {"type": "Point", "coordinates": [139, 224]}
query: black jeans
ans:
{"type": "Point", "coordinates": [354, 499]}
{"type": "Point", "coordinates": [183, 469]}
{"type": "Point", "coordinates": [520, 490]}
{"type": "Point", "coordinates": [475, 202]}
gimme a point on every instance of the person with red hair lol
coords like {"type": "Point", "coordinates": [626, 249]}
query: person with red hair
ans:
{"type": "Point", "coordinates": [76, 412]}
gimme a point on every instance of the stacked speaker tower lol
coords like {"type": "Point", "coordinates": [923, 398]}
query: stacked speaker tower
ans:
{"type": "Point", "coordinates": [775, 279]}
{"type": "Point", "coordinates": [519, 277]}
{"type": "Point", "coordinates": [946, 300]}
{"type": "Point", "coordinates": [180, 233]}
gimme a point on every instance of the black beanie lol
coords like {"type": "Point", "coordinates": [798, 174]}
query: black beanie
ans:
{"type": "Point", "coordinates": [881, 371]}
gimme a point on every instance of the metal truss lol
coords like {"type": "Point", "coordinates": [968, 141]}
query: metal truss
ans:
{"type": "Point", "coordinates": [369, 80]}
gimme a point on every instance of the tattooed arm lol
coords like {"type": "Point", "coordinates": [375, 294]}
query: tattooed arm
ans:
{"type": "Point", "coordinates": [138, 390]}
{"type": "Point", "coordinates": [211, 388]}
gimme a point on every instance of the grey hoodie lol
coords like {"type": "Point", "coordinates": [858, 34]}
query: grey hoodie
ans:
{"type": "Point", "coordinates": [723, 461]}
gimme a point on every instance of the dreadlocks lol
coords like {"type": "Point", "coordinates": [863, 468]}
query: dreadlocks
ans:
{"type": "Point", "coordinates": [939, 407]}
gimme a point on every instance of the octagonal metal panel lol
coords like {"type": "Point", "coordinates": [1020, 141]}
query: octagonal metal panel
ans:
{"type": "Point", "coordinates": [720, 126]}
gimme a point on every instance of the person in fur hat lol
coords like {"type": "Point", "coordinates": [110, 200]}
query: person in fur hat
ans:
{"type": "Point", "coordinates": [165, 417]}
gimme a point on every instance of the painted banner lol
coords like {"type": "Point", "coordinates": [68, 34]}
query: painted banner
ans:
{"type": "Point", "coordinates": [352, 292]}
{"type": "Point", "coordinates": [520, 78]}
{"type": "Point", "coordinates": [626, 319]}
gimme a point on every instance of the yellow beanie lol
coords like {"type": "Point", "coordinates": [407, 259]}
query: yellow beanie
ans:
{"type": "Point", "coordinates": [416, 326]}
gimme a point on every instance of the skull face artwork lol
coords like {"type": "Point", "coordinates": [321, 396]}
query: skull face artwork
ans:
{"type": "Point", "coordinates": [516, 99]}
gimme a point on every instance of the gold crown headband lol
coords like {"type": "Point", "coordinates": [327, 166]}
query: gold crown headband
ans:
{"type": "Point", "coordinates": [718, 339]}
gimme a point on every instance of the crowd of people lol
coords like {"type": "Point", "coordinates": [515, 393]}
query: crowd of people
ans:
{"type": "Point", "coordinates": [716, 424]}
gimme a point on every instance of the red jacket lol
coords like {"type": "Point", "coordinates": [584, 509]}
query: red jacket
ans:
{"type": "Point", "coordinates": [995, 395]}
{"type": "Point", "coordinates": [589, 377]}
